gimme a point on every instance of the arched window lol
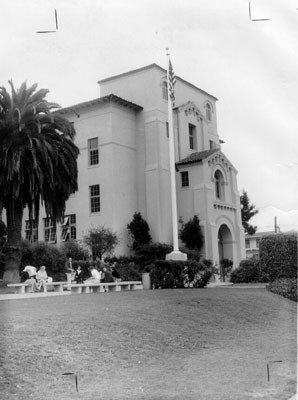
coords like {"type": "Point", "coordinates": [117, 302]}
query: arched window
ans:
{"type": "Point", "coordinates": [208, 112]}
{"type": "Point", "coordinates": [164, 87]}
{"type": "Point", "coordinates": [219, 185]}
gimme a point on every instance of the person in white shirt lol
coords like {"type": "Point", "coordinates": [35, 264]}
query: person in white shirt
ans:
{"type": "Point", "coordinates": [95, 274]}
{"type": "Point", "coordinates": [43, 278]}
{"type": "Point", "coordinates": [31, 271]}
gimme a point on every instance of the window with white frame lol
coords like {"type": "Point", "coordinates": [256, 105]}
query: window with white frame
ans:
{"type": "Point", "coordinates": [94, 198]}
{"type": "Point", "coordinates": [219, 185]}
{"type": "Point", "coordinates": [31, 230]}
{"type": "Point", "coordinates": [192, 137]}
{"type": "Point", "coordinates": [208, 112]}
{"type": "Point", "coordinates": [93, 151]}
{"type": "Point", "coordinates": [50, 231]}
{"type": "Point", "coordinates": [69, 229]}
{"type": "Point", "coordinates": [247, 243]}
{"type": "Point", "coordinates": [184, 179]}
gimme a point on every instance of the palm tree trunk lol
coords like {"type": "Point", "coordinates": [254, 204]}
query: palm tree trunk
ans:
{"type": "Point", "coordinates": [13, 251]}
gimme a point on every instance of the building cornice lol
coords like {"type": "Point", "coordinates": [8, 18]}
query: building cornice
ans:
{"type": "Point", "coordinates": [111, 98]}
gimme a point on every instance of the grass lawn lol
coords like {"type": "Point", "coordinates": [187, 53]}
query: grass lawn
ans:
{"type": "Point", "coordinates": [162, 344]}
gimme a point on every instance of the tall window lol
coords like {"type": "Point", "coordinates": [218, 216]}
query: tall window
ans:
{"type": "Point", "coordinates": [247, 243]}
{"type": "Point", "coordinates": [192, 137]}
{"type": "Point", "coordinates": [219, 182]}
{"type": "Point", "coordinates": [69, 230]}
{"type": "Point", "coordinates": [93, 151]}
{"type": "Point", "coordinates": [50, 232]}
{"type": "Point", "coordinates": [211, 144]}
{"type": "Point", "coordinates": [31, 230]}
{"type": "Point", "coordinates": [208, 112]}
{"type": "Point", "coordinates": [94, 198]}
{"type": "Point", "coordinates": [164, 90]}
{"type": "Point", "coordinates": [184, 179]}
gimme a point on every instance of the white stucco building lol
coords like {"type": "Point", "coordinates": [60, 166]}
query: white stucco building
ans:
{"type": "Point", "coordinates": [124, 165]}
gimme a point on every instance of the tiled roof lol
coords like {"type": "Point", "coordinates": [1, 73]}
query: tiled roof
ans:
{"type": "Point", "coordinates": [101, 100]}
{"type": "Point", "coordinates": [197, 157]}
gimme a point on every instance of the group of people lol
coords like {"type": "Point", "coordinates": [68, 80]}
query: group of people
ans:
{"type": "Point", "coordinates": [35, 278]}
{"type": "Point", "coordinates": [98, 272]}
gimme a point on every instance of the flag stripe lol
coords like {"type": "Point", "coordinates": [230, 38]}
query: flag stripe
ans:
{"type": "Point", "coordinates": [172, 81]}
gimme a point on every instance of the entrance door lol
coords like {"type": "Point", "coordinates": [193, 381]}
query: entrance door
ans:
{"type": "Point", "coordinates": [225, 244]}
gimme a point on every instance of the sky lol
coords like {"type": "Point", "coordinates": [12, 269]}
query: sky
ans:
{"type": "Point", "coordinates": [250, 66]}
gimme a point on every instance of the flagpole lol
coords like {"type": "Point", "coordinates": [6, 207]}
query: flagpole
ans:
{"type": "Point", "coordinates": [176, 254]}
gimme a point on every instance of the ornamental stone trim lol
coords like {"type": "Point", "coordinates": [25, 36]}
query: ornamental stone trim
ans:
{"type": "Point", "coordinates": [220, 159]}
{"type": "Point", "coordinates": [218, 206]}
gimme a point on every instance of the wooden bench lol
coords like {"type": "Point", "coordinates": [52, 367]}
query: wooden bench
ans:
{"type": "Point", "coordinates": [20, 288]}
{"type": "Point", "coordinates": [93, 287]}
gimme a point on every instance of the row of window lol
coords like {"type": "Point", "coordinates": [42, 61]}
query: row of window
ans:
{"type": "Point", "coordinates": [93, 151]}
{"type": "Point", "coordinates": [164, 88]}
{"type": "Point", "coordinates": [68, 229]}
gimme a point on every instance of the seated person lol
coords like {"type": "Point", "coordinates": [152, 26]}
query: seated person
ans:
{"type": "Point", "coordinates": [79, 275]}
{"type": "Point", "coordinates": [25, 278]}
{"type": "Point", "coordinates": [115, 273]}
{"type": "Point", "coordinates": [107, 275]}
{"type": "Point", "coordinates": [30, 270]}
{"type": "Point", "coordinates": [95, 274]}
{"type": "Point", "coordinates": [42, 278]}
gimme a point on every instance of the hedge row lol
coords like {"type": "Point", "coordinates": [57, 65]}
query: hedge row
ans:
{"type": "Point", "coordinates": [284, 287]}
{"type": "Point", "coordinates": [278, 255]}
{"type": "Point", "coordinates": [181, 274]}
{"type": "Point", "coordinates": [248, 271]}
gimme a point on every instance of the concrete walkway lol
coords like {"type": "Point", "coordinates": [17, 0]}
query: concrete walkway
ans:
{"type": "Point", "coordinates": [12, 296]}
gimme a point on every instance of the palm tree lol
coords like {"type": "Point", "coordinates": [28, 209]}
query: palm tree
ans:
{"type": "Point", "coordinates": [38, 163]}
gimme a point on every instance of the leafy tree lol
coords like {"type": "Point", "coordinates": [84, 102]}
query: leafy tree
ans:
{"type": "Point", "coordinates": [248, 210]}
{"type": "Point", "coordinates": [77, 250]}
{"type": "Point", "coordinates": [191, 234]}
{"type": "Point", "coordinates": [101, 241]}
{"type": "Point", "coordinates": [38, 163]}
{"type": "Point", "coordinates": [139, 230]}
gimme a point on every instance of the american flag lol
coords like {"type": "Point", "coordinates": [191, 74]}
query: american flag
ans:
{"type": "Point", "coordinates": [172, 81]}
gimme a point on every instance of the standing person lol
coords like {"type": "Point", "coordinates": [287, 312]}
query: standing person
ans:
{"type": "Point", "coordinates": [68, 270]}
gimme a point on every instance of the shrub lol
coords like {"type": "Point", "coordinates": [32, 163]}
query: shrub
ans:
{"type": "Point", "coordinates": [278, 255]}
{"type": "Point", "coordinates": [84, 264]}
{"type": "Point", "coordinates": [138, 229]}
{"type": "Point", "coordinates": [42, 253]}
{"type": "Point", "coordinates": [225, 268]}
{"type": "Point", "coordinates": [191, 234]}
{"type": "Point", "coordinates": [77, 250]}
{"type": "Point", "coordinates": [248, 271]}
{"type": "Point", "coordinates": [180, 274]}
{"type": "Point", "coordinates": [128, 269]}
{"type": "Point", "coordinates": [154, 251]}
{"type": "Point", "coordinates": [284, 287]}
{"type": "Point", "coordinates": [101, 241]}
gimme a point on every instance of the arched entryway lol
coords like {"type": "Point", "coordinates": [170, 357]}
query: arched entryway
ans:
{"type": "Point", "coordinates": [225, 244]}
